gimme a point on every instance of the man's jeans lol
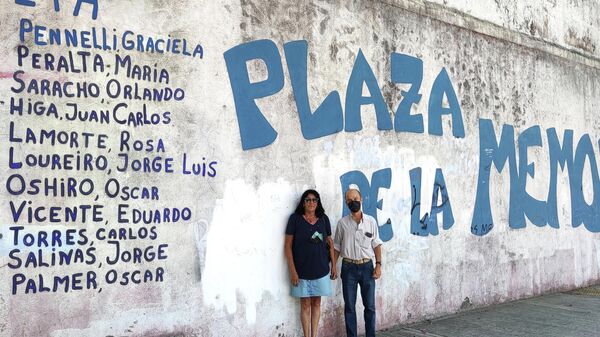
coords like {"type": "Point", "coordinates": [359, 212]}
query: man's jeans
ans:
{"type": "Point", "coordinates": [354, 275]}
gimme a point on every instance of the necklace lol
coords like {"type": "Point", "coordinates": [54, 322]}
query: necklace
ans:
{"type": "Point", "coordinates": [311, 220]}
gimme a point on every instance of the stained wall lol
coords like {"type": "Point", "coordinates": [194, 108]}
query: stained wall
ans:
{"type": "Point", "coordinates": [152, 152]}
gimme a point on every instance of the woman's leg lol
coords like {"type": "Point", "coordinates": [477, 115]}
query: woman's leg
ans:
{"type": "Point", "coordinates": [315, 311]}
{"type": "Point", "coordinates": [305, 315]}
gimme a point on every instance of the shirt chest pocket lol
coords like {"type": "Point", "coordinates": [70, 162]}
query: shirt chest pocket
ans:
{"type": "Point", "coordinates": [364, 239]}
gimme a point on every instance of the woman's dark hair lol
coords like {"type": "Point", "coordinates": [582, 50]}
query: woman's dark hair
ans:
{"type": "Point", "coordinates": [320, 211]}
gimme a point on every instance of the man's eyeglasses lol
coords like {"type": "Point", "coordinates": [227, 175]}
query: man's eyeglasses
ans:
{"type": "Point", "coordinates": [307, 200]}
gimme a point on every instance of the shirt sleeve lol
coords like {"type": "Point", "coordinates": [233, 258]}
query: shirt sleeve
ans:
{"type": "Point", "coordinates": [337, 239]}
{"type": "Point", "coordinates": [290, 229]}
{"type": "Point", "coordinates": [327, 226]}
{"type": "Point", "coordinates": [376, 240]}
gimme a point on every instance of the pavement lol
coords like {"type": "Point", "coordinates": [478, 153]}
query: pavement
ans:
{"type": "Point", "coordinates": [568, 314]}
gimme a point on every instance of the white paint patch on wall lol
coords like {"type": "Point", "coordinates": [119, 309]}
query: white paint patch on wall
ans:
{"type": "Point", "coordinates": [405, 252]}
{"type": "Point", "coordinates": [597, 244]}
{"type": "Point", "coordinates": [244, 252]}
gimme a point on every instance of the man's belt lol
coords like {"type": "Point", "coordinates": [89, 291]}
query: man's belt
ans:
{"type": "Point", "coordinates": [361, 261]}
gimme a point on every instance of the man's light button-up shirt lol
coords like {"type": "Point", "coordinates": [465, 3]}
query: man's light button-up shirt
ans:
{"type": "Point", "coordinates": [356, 240]}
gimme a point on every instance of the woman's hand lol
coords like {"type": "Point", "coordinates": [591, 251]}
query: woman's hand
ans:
{"type": "Point", "coordinates": [294, 278]}
{"type": "Point", "coordinates": [290, 259]}
{"type": "Point", "coordinates": [333, 274]}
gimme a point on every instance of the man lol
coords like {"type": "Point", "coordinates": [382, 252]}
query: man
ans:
{"type": "Point", "coordinates": [357, 240]}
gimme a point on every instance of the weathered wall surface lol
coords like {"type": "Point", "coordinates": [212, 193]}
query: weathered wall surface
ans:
{"type": "Point", "coordinates": [466, 105]}
{"type": "Point", "coordinates": [569, 24]}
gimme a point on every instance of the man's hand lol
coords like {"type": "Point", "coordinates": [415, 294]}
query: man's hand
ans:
{"type": "Point", "coordinates": [333, 274]}
{"type": "Point", "coordinates": [294, 278]}
{"type": "Point", "coordinates": [377, 271]}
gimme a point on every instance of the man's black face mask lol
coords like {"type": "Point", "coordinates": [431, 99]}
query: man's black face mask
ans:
{"type": "Point", "coordinates": [354, 206]}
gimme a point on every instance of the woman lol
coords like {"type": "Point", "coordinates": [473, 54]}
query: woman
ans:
{"type": "Point", "coordinates": [309, 250]}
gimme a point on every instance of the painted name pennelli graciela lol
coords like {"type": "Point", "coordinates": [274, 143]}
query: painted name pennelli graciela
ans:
{"type": "Point", "coordinates": [107, 39]}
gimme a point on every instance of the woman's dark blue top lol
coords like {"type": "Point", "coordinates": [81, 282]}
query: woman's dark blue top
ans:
{"type": "Point", "coordinates": [311, 257]}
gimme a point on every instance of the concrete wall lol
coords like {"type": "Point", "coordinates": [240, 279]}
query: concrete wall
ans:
{"type": "Point", "coordinates": [413, 97]}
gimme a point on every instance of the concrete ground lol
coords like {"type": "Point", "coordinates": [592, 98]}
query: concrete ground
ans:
{"type": "Point", "coordinates": [575, 313]}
